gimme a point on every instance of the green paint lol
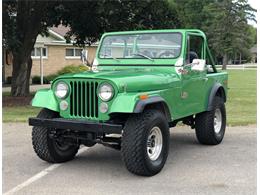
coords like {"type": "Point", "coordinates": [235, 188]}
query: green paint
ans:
{"type": "Point", "coordinates": [45, 98]}
{"type": "Point", "coordinates": [185, 94]}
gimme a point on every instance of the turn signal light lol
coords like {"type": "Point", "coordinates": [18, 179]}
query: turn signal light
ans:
{"type": "Point", "coordinates": [143, 97]}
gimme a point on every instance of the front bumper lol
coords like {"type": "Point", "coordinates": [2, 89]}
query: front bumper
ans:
{"type": "Point", "coordinates": [77, 125]}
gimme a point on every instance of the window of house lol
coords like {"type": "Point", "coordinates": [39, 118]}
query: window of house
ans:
{"type": "Point", "coordinates": [8, 57]}
{"type": "Point", "coordinates": [73, 53]}
{"type": "Point", "coordinates": [36, 52]}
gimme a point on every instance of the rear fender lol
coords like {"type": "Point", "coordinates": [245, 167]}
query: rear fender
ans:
{"type": "Point", "coordinates": [219, 90]}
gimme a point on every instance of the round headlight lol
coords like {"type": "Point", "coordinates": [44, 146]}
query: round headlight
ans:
{"type": "Point", "coordinates": [62, 90]}
{"type": "Point", "coordinates": [105, 92]}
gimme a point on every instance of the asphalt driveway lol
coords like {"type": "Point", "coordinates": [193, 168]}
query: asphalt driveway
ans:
{"type": "Point", "coordinates": [191, 168]}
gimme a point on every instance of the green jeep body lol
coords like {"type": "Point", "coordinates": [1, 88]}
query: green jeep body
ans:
{"type": "Point", "coordinates": [170, 85]}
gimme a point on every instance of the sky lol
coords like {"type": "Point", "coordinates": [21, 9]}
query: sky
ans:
{"type": "Point", "coordinates": [254, 4]}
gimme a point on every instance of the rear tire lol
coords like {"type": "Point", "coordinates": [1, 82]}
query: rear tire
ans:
{"type": "Point", "coordinates": [47, 148]}
{"type": "Point", "coordinates": [210, 126]}
{"type": "Point", "coordinates": [145, 143]}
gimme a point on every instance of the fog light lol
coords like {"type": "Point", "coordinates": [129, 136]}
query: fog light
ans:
{"type": "Point", "coordinates": [64, 105]}
{"type": "Point", "coordinates": [103, 108]}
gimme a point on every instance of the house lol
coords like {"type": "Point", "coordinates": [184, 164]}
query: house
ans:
{"type": "Point", "coordinates": [56, 54]}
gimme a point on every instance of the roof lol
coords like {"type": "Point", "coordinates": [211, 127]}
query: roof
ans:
{"type": "Point", "coordinates": [56, 37]}
{"type": "Point", "coordinates": [61, 30]}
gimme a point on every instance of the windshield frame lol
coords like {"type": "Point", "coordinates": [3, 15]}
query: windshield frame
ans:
{"type": "Point", "coordinates": [143, 33]}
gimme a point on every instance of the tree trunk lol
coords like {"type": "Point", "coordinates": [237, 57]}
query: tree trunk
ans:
{"type": "Point", "coordinates": [21, 76]}
{"type": "Point", "coordinates": [28, 26]}
{"type": "Point", "coordinates": [3, 64]}
{"type": "Point", "coordinates": [225, 62]}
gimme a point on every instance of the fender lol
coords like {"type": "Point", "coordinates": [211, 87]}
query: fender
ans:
{"type": "Point", "coordinates": [44, 98]}
{"type": "Point", "coordinates": [217, 88]}
{"type": "Point", "coordinates": [130, 103]}
{"type": "Point", "coordinates": [154, 100]}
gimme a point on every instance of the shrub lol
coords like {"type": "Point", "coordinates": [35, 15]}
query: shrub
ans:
{"type": "Point", "coordinates": [65, 70]}
{"type": "Point", "coordinates": [8, 80]}
{"type": "Point", "coordinates": [37, 80]}
{"type": "Point", "coordinates": [51, 77]}
{"type": "Point", "coordinates": [72, 69]}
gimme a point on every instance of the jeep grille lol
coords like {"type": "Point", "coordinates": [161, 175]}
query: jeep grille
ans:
{"type": "Point", "coordinates": [84, 99]}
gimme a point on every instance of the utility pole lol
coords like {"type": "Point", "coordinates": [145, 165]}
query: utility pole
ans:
{"type": "Point", "coordinates": [40, 46]}
{"type": "Point", "coordinates": [41, 66]}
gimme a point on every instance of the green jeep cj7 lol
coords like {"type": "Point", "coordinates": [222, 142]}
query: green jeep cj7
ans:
{"type": "Point", "coordinates": [141, 84]}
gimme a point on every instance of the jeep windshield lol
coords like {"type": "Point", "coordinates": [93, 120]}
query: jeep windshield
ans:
{"type": "Point", "coordinates": [141, 46]}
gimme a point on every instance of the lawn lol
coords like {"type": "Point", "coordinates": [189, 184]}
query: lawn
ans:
{"type": "Point", "coordinates": [19, 114]}
{"type": "Point", "coordinates": [241, 104]}
{"type": "Point", "coordinates": [17, 109]}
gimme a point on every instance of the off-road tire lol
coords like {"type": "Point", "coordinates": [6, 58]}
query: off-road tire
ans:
{"type": "Point", "coordinates": [45, 147]}
{"type": "Point", "coordinates": [204, 124]}
{"type": "Point", "coordinates": [134, 142]}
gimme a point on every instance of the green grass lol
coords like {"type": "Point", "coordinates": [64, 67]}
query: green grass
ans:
{"type": "Point", "coordinates": [19, 113]}
{"type": "Point", "coordinates": [241, 102]}
{"type": "Point", "coordinates": [6, 93]}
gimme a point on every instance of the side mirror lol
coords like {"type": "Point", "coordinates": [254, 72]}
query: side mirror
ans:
{"type": "Point", "coordinates": [198, 65]}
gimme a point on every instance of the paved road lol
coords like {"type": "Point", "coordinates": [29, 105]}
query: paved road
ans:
{"type": "Point", "coordinates": [229, 168]}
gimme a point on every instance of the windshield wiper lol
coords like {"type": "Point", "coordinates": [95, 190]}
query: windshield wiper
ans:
{"type": "Point", "coordinates": [145, 56]}
{"type": "Point", "coordinates": [110, 56]}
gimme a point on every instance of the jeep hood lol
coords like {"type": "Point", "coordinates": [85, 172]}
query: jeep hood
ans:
{"type": "Point", "coordinates": [131, 80]}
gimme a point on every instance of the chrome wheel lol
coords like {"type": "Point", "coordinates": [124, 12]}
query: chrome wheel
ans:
{"type": "Point", "coordinates": [217, 121]}
{"type": "Point", "coordinates": [154, 143]}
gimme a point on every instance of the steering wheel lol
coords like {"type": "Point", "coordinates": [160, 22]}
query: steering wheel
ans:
{"type": "Point", "coordinates": [148, 53]}
{"type": "Point", "coordinates": [193, 55]}
{"type": "Point", "coordinates": [166, 54]}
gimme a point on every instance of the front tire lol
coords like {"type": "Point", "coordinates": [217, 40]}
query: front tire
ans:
{"type": "Point", "coordinates": [47, 148]}
{"type": "Point", "coordinates": [145, 143]}
{"type": "Point", "coordinates": [210, 126]}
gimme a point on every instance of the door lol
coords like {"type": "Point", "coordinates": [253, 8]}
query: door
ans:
{"type": "Point", "coordinates": [193, 81]}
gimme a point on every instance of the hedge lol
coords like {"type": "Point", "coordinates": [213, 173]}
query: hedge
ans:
{"type": "Point", "coordinates": [65, 70]}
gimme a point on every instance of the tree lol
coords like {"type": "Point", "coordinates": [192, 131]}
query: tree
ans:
{"type": "Point", "coordinates": [23, 20]}
{"type": "Point", "coordinates": [191, 13]}
{"type": "Point", "coordinates": [223, 21]}
{"type": "Point", "coordinates": [89, 21]}
{"type": "Point", "coordinates": [253, 33]}
{"type": "Point", "coordinates": [227, 27]}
